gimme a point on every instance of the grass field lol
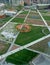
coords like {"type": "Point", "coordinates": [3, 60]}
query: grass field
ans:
{"type": "Point", "coordinates": [21, 57]}
{"type": "Point", "coordinates": [47, 18]}
{"type": "Point", "coordinates": [18, 20]}
{"type": "Point", "coordinates": [24, 12]}
{"type": "Point", "coordinates": [34, 34]}
{"type": "Point", "coordinates": [4, 20]}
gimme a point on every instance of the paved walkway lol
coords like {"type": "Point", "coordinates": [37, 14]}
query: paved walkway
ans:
{"type": "Point", "coordinates": [22, 47]}
{"type": "Point", "coordinates": [11, 19]}
{"type": "Point", "coordinates": [41, 60]}
{"type": "Point", "coordinates": [43, 4]}
{"type": "Point", "coordinates": [27, 45]}
{"type": "Point", "coordinates": [5, 63]}
{"type": "Point", "coordinates": [43, 20]}
{"type": "Point", "coordinates": [16, 36]}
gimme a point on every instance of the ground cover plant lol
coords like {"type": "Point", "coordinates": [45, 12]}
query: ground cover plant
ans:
{"type": "Point", "coordinates": [4, 20]}
{"type": "Point", "coordinates": [22, 57]}
{"type": "Point", "coordinates": [18, 20]}
{"type": "Point", "coordinates": [47, 18]}
{"type": "Point", "coordinates": [34, 34]}
{"type": "Point", "coordinates": [24, 12]}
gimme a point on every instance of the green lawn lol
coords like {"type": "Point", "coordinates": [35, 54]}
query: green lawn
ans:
{"type": "Point", "coordinates": [43, 11]}
{"type": "Point", "coordinates": [34, 34]}
{"type": "Point", "coordinates": [25, 12]}
{"type": "Point", "coordinates": [21, 57]}
{"type": "Point", "coordinates": [18, 20]}
{"type": "Point", "coordinates": [46, 17]}
{"type": "Point", "coordinates": [4, 20]}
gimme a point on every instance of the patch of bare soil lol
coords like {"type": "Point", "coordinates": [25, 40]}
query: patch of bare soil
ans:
{"type": "Point", "coordinates": [35, 21]}
{"type": "Point", "coordinates": [14, 47]}
{"type": "Point", "coordinates": [22, 15]}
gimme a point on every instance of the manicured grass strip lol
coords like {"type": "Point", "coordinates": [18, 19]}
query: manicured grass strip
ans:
{"type": "Point", "coordinates": [18, 20]}
{"type": "Point", "coordinates": [25, 12]}
{"type": "Point", "coordinates": [46, 17]}
{"type": "Point", "coordinates": [21, 57]}
{"type": "Point", "coordinates": [34, 34]}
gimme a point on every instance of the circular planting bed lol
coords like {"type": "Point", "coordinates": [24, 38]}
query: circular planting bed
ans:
{"type": "Point", "coordinates": [25, 28]}
{"type": "Point", "coordinates": [2, 16]}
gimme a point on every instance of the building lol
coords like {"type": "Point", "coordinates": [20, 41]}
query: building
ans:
{"type": "Point", "coordinates": [4, 1]}
{"type": "Point", "coordinates": [16, 2]}
{"type": "Point", "coordinates": [13, 2]}
{"type": "Point", "coordinates": [28, 2]}
{"type": "Point", "coordinates": [43, 1]}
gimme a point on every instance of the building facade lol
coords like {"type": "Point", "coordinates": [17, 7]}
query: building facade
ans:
{"type": "Point", "coordinates": [13, 2]}
{"type": "Point", "coordinates": [37, 1]}
{"type": "Point", "coordinates": [43, 1]}
{"type": "Point", "coordinates": [17, 2]}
